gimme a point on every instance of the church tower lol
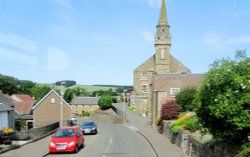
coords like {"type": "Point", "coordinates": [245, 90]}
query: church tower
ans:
{"type": "Point", "coordinates": [162, 43]}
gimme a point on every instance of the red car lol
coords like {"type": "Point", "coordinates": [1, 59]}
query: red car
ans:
{"type": "Point", "coordinates": [66, 139]}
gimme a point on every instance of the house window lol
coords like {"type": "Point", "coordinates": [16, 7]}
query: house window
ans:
{"type": "Point", "coordinates": [174, 91]}
{"type": "Point", "coordinates": [144, 88]}
{"type": "Point", "coordinates": [52, 100]}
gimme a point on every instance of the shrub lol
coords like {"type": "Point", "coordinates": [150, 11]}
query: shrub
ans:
{"type": "Point", "coordinates": [169, 110]}
{"type": "Point", "coordinates": [245, 150]}
{"type": "Point", "coordinates": [185, 99]}
{"type": "Point", "coordinates": [188, 122]}
{"type": "Point", "coordinates": [224, 100]}
{"type": "Point", "coordinates": [105, 102]}
{"type": "Point", "coordinates": [131, 108]}
{"type": "Point", "coordinates": [8, 131]}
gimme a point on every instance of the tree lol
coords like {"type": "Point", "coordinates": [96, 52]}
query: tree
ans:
{"type": "Point", "coordinates": [25, 86]}
{"type": "Point", "coordinates": [71, 92]}
{"type": "Point", "coordinates": [8, 85]}
{"type": "Point", "coordinates": [185, 99]}
{"type": "Point", "coordinates": [105, 102]}
{"type": "Point", "coordinates": [39, 91]}
{"type": "Point", "coordinates": [66, 83]}
{"type": "Point", "coordinates": [223, 101]}
{"type": "Point", "coordinates": [68, 95]}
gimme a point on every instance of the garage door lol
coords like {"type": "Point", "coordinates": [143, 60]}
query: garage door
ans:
{"type": "Point", "coordinates": [3, 120]}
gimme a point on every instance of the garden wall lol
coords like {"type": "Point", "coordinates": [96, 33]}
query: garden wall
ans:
{"type": "Point", "coordinates": [194, 147]}
{"type": "Point", "coordinates": [36, 133]}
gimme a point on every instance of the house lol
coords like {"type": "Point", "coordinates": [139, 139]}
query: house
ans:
{"type": "Point", "coordinates": [7, 119]}
{"type": "Point", "coordinates": [166, 86]}
{"type": "Point", "coordinates": [84, 104]}
{"type": "Point", "coordinates": [48, 110]}
{"type": "Point", "coordinates": [23, 103]}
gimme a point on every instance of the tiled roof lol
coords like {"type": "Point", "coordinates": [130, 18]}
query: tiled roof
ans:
{"type": "Point", "coordinates": [84, 101]}
{"type": "Point", "coordinates": [22, 97]}
{"type": "Point", "coordinates": [23, 103]}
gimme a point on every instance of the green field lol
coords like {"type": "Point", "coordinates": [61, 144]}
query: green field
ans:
{"type": "Point", "coordinates": [89, 88]}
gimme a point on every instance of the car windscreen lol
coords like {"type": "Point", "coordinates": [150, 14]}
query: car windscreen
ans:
{"type": "Point", "coordinates": [88, 123]}
{"type": "Point", "coordinates": [64, 133]}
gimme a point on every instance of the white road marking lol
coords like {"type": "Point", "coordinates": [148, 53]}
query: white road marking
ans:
{"type": "Point", "coordinates": [111, 140]}
{"type": "Point", "coordinates": [107, 148]}
{"type": "Point", "coordinates": [133, 128]}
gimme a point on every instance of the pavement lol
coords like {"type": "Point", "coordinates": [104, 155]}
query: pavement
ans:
{"type": "Point", "coordinates": [160, 143]}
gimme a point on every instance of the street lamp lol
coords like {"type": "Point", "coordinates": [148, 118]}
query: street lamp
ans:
{"type": "Point", "coordinates": [61, 105]}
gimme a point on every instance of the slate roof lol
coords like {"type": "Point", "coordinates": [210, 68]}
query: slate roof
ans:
{"type": "Point", "coordinates": [5, 103]}
{"type": "Point", "coordinates": [84, 101]}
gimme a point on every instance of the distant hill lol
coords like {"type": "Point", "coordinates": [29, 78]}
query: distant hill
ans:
{"type": "Point", "coordinates": [89, 88]}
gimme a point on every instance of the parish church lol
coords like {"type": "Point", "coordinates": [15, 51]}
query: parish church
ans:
{"type": "Point", "coordinates": [159, 65]}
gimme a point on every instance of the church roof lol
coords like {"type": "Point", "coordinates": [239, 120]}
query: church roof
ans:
{"type": "Point", "coordinates": [175, 66]}
{"type": "Point", "coordinates": [163, 14]}
{"type": "Point", "coordinates": [148, 65]}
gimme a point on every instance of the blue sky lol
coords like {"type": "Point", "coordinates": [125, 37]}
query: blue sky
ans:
{"type": "Point", "coordinates": [103, 41]}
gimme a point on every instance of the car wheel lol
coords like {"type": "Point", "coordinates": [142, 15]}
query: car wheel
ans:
{"type": "Point", "coordinates": [82, 145]}
{"type": "Point", "coordinates": [76, 149]}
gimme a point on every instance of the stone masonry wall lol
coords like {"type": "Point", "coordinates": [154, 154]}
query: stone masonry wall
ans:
{"type": "Point", "coordinates": [194, 148]}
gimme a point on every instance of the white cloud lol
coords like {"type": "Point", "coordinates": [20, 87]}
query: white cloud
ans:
{"type": "Point", "coordinates": [15, 56]}
{"type": "Point", "coordinates": [218, 41]}
{"type": "Point", "coordinates": [19, 42]}
{"type": "Point", "coordinates": [57, 59]}
{"type": "Point", "coordinates": [148, 36]}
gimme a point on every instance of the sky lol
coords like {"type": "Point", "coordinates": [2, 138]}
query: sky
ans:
{"type": "Point", "coordinates": [103, 41]}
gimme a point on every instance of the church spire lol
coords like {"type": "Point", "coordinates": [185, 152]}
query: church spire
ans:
{"type": "Point", "coordinates": [163, 14]}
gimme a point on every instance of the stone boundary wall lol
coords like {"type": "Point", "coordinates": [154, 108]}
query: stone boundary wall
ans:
{"type": "Point", "coordinates": [36, 133]}
{"type": "Point", "coordinates": [118, 108]}
{"type": "Point", "coordinates": [194, 148]}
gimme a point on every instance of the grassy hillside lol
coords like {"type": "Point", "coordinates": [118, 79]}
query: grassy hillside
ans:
{"type": "Point", "coordinates": [89, 88]}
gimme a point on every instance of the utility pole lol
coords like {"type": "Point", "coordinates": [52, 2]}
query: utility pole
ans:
{"type": "Point", "coordinates": [61, 105]}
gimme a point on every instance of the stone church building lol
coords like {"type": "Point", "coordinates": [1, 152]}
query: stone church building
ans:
{"type": "Point", "coordinates": [160, 64]}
